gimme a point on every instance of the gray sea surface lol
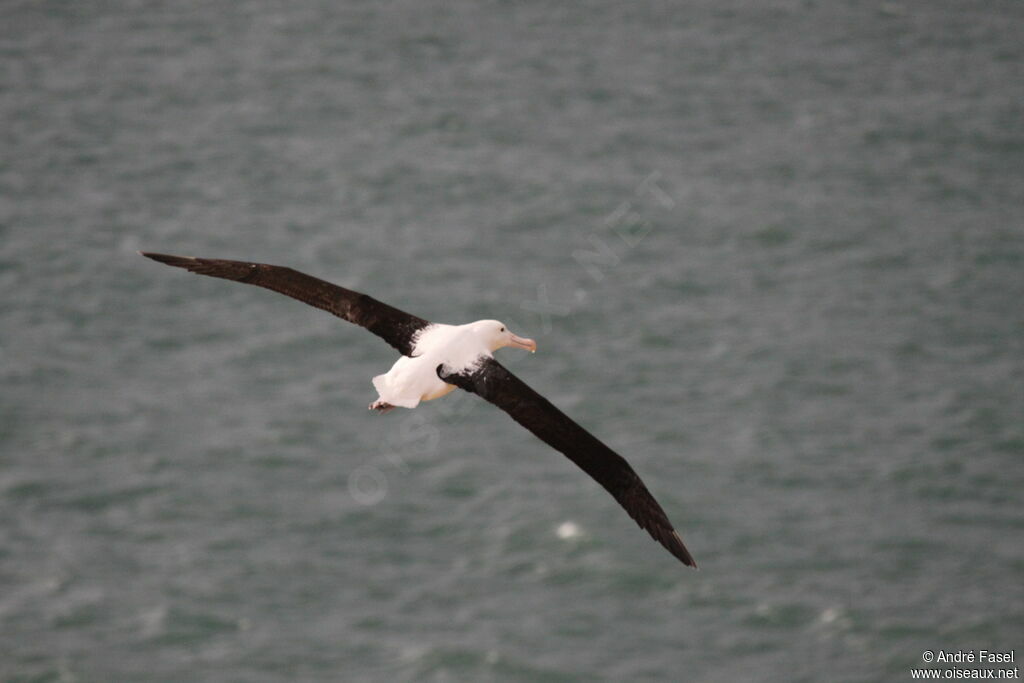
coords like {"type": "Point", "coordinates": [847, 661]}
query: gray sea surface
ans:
{"type": "Point", "coordinates": [772, 253]}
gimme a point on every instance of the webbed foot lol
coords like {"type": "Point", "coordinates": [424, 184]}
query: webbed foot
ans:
{"type": "Point", "coordinates": [381, 406]}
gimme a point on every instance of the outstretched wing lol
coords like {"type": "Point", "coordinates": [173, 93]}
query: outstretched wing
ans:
{"type": "Point", "coordinates": [490, 380]}
{"type": "Point", "coordinates": [390, 324]}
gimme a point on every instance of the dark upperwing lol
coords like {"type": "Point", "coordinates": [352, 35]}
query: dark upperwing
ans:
{"type": "Point", "coordinates": [490, 380]}
{"type": "Point", "coordinates": [390, 324]}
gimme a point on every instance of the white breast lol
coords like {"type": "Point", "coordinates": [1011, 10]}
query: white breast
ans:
{"type": "Point", "coordinates": [454, 345]}
{"type": "Point", "coordinates": [414, 379]}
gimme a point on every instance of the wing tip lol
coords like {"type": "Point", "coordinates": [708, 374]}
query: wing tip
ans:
{"type": "Point", "coordinates": [678, 548]}
{"type": "Point", "coordinates": [169, 259]}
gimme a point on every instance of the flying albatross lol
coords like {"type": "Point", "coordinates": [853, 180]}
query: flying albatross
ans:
{"type": "Point", "coordinates": [437, 358]}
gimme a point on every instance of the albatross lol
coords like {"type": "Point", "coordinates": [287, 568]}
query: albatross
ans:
{"type": "Point", "coordinates": [437, 358]}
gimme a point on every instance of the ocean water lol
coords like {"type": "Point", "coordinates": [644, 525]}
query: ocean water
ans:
{"type": "Point", "coordinates": [772, 252]}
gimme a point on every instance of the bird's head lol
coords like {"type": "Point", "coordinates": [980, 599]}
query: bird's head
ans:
{"type": "Point", "coordinates": [497, 336]}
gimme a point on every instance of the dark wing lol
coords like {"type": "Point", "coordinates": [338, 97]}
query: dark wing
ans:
{"type": "Point", "coordinates": [493, 382]}
{"type": "Point", "coordinates": [390, 324]}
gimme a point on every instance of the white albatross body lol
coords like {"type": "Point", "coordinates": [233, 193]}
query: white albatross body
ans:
{"type": "Point", "coordinates": [458, 347]}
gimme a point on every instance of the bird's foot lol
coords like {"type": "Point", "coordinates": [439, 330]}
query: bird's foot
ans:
{"type": "Point", "coordinates": [381, 407]}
